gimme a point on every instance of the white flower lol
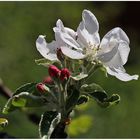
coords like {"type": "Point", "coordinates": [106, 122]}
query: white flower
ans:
{"type": "Point", "coordinates": [113, 53]}
{"type": "Point", "coordinates": [86, 40]}
{"type": "Point", "coordinates": [113, 50]}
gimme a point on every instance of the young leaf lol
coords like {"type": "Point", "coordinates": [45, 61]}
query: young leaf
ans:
{"type": "Point", "coordinates": [79, 77]}
{"type": "Point", "coordinates": [82, 99]}
{"type": "Point", "coordinates": [3, 123]}
{"type": "Point", "coordinates": [8, 107]}
{"type": "Point", "coordinates": [113, 100]}
{"type": "Point", "coordinates": [95, 91]}
{"type": "Point", "coordinates": [45, 62]}
{"type": "Point", "coordinates": [25, 99]}
{"type": "Point", "coordinates": [29, 87]}
{"type": "Point", "coordinates": [47, 123]}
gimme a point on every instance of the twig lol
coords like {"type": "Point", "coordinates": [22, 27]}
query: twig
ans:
{"type": "Point", "coordinates": [5, 91]}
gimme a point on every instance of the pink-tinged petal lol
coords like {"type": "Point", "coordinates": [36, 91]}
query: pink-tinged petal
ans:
{"type": "Point", "coordinates": [121, 75]}
{"type": "Point", "coordinates": [72, 53]}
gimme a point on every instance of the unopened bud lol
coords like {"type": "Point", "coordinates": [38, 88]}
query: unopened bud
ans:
{"type": "Point", "coordinates": [54, 72]}
{"type": "Point", "coordinates": [41, 87]}
{"type": "Point", "coordinates": [48, 80]}
{"type": "Point", "coordinates": [65, 74]}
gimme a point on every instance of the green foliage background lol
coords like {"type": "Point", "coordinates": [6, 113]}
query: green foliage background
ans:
{"type": "Point", "coordinates": [20, 25]}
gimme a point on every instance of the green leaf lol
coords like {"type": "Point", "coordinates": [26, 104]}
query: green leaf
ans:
{"type": "Point", "coordinates": [113, 100]}
{"type": "Point", "coordinates": [8, 107]}
{"type": "Point", "coordinates": [72, 98]}
{"type": "Point", "coordinates": [3, 123]}
{"type": "Point", "coordinates": [29, 87]}
{"type": "Point", "coordinates": [25, 99]}
{"type": "Point", "coordinates": [45, 62]}
{"type": "Point", "coordinates": [95, 91]}
{"type": "Point", "coordinates": [47, 123]}
{"type": "Point", "coordinates": [82, 99]}
{"type": "Point", "coordinates": [79, 77]}
{"type": "Point", "coordinates": [19, 102]}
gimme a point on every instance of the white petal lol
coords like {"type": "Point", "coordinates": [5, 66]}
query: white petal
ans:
{"type": "Point", "coordinates": [41, 45]}
{"type": "Point", "coordinates": [114, 38]}
{"type": "Point", "coordinates": [124, 51]}
{"type": "Point", "coordinates": [82, 39]}
{"type": "Point", "coordinates": [121, 75]}
{"type": "Point", "coordinates": [72, 53]}
{"type": "Point", "coordinates": [60, 26]}
{"type": "Point", "coordinates": [85, 38]}
{"type": "Point", "coordinates": [110, 55]}
{"type": "Point", "coordinates": [69, 40]}
{"type": "Point", "coordinates": [58, 38]}
{"type": "Point", "coordinates": [71, 32]}
{"type": "Point", "coordinates": [90, 22]}
{"type": "Point", "coordinates": [105, 55]}
{"type": "Point", "coordinates": [46, 50]}
{"type": "Point", "coordinates": [87, 30]}
{"type": "Point", "coordinates": [116, 33]}
{"type": "Point", "coordinates": [52, 57]}
{"type": "Point", "coordinates": [64, 38]}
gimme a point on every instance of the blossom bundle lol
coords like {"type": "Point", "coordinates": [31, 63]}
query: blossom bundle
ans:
{"type": "Point", "coordinates": [112, 51]}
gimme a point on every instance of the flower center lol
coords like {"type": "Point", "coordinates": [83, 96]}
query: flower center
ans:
{"type": "Point", "coordinates": [91, 51]}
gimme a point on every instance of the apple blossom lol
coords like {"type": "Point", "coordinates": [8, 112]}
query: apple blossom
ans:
{"type": "Point", "coordinates": [113, 50]}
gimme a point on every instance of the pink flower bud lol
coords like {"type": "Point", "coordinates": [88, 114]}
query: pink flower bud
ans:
{"type": "Point", "coordinates": [48, 80]}
{"type": "Point", "coordinates": [40, 87]}
{"type": "Point", "coordinates": [54, 72]}
{"type": "Point", "coordinates": [65, 74]}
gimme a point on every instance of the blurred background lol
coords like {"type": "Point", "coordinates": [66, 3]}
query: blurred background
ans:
{"type": "Point", "coordinates": [20, 25]}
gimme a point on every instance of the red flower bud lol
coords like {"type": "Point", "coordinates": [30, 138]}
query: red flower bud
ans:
{"type": "Point", "coordinates": [65, 74]}
{"type": "Point", "coordinates": [40, 87]}
{"type": "Point", "coordinates": [48, 80]}
{"type": "Point", "coordinates": [54, 72]}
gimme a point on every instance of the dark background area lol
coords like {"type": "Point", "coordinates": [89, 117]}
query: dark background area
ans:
{"type": "Point", "coordinates": [20, 25]}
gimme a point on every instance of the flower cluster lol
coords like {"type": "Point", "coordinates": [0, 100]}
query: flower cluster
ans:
{"type": "Point", "coordinates": [55, 74]}
{"type": "Point", "coordinates": [112, 51]}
